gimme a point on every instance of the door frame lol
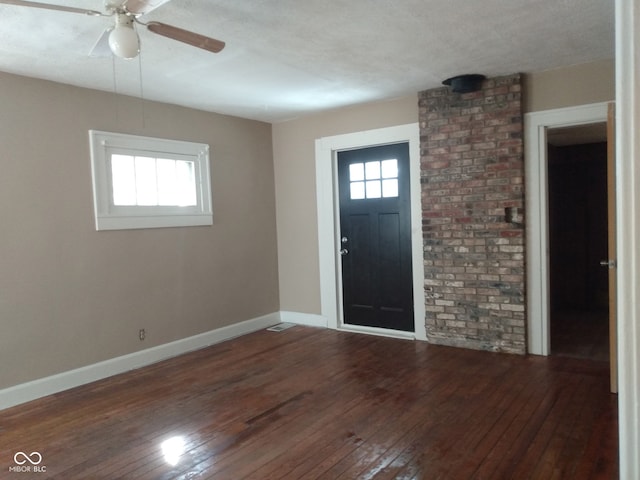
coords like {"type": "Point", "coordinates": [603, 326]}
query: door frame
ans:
{"type": "Point", "coordinates": [328, 223]}
{"type": "Point", "coordinates": [537, 217]}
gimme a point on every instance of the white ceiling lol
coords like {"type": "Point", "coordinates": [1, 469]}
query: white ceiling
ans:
{"type": "Point", "coordinates": [288, 58]}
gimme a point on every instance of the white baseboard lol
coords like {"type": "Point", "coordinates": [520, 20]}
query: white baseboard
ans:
{"type": "Point", "coordinates": [308, 319]}
{"type": "Point", "coordinates": [26, 392]}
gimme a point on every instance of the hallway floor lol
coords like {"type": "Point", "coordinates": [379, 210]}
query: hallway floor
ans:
{"type": "Point", "coordinates": [580, 334]}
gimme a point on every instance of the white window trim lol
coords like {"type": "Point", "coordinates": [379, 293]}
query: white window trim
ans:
{"type": "Point", "coordinates": [111, 217]}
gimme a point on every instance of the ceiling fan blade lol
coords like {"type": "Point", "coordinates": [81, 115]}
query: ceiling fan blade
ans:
{"type": "Point", "coordinates": [185, 36]}
{"type": "Point", "coordinates": [101, 48]}
{"type": "Point", "coordinates": [140, 7]}
{"type": "Point", "coordinates": [46, 6]}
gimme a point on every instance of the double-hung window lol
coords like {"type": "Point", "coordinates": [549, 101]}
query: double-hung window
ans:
{"type": "Point", "coordinates": [144, 182]}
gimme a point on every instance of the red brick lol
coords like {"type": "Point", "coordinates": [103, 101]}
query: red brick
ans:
{"type": "Point", "coordinates": [472, 156]}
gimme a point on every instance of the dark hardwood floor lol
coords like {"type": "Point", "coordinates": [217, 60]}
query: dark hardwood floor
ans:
{"type": "Point", "coordinates": [580, 333]}
{"type": "Point", "coordinates": [309, 403]}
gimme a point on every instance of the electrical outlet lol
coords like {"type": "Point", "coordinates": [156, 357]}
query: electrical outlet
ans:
{"type": "Point", "coordinates": [142, 334]}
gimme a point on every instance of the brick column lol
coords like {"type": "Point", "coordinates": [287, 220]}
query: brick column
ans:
{"type": "Point", "coordinates": [472, 170]}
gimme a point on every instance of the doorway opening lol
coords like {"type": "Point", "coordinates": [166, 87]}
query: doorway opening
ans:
{"type": "Point", "coordinates": [578, 227]}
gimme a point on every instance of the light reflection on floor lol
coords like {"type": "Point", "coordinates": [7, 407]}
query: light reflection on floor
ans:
{"type": "Point", "coordinates": [172, 449]}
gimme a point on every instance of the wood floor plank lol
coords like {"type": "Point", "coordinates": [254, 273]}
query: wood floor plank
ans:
{"type": "Point", "coordinates": [310, 403]}
{"type": "Point", "coordinates": [485, 428]}
{"type": "Point", "coordinates": [325, 396]}
{"type": "Point", "coordinates": [395, 435]}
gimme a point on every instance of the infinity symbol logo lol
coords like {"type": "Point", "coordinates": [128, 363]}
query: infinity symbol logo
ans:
{"type": "Point", "coordinates": [34, 458]}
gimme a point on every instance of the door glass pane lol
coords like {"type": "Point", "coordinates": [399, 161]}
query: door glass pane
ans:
{"type": "Point", "coordinates": [372, 170]}
{"type": "Point", "coordinates": [356, 172]}
{"type": "Point", "coordinates": [390, 168]}
{"type": "Point", "coordinates": [357, 190]}
{"type": "Point", "coordinates": [390, 187]}
{"type": "Point", "coordinates": [373, 189]}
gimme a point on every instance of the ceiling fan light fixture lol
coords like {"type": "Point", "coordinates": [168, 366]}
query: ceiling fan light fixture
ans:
{"type": "Point", "coordinates": [123, 39]}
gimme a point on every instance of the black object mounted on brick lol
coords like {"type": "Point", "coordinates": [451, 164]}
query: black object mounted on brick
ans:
{"type": "Point", "coordinates": [471, 82]}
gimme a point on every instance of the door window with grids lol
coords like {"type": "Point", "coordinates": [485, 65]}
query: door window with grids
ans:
{"type": "Point", "coordinates": [375, 179]}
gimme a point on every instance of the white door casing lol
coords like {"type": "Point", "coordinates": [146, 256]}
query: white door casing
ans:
{"type": "Point", "coordinates": [628, 232]}
{"type": "Point", "coordinates": [328, 241]}
{"type": "Point", "coordinates": [537, 216]}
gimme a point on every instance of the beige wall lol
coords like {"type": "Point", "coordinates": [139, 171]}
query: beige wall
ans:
{"type": "Point", "coordinates": [294, 157]}
{"type": "Point", "coordinates": [294, 160]}
{"type": "Point", "coordinates": [570, 86]}
{"type": "Point", "coordinates": [71, 296]}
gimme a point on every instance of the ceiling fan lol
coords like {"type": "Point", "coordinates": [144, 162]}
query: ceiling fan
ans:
{"type": "Point", "coordinates": [122, 38]}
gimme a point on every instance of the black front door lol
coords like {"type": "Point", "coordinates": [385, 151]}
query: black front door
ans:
{"type": "Point", "coordinates": [375, 237]}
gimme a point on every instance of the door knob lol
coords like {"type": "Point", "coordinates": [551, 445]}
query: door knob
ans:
{"type": "Point", "coordinates": [343, 251]}
{"type": "Point", "coordinates": [608, 263]}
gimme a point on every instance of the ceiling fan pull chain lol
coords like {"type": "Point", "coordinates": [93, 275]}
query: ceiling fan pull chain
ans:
{"type": "Point", "coordinates": [141, 89]}
{"type": "Point", "coordinates": [115, 86]}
